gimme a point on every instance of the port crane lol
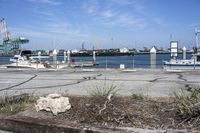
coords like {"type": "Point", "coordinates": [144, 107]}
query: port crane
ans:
{"type": "Point", "coordinates": [9, 45]}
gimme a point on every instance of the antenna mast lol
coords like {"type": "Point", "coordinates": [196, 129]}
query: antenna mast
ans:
{"type": "Point", "coordinates": [196, 34]}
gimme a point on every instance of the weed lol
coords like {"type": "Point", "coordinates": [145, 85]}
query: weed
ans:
{"type": "Point", "coordinates": [138, 96]}
{"type": "Point", "coordinates": [103, 91]}
{"type": "Point", "coordinates": [188, 105]}
{"type": "Point", "coordinates": [155, 105]}
{"type": "Point", "coordinates": [15, 104]}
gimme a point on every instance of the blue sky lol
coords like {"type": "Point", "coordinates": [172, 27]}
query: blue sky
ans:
{"type": "Point", "coordinates": [67, 24]}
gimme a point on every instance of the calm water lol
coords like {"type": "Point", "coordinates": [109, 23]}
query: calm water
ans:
{"type": "Point", "coordinates": [137, 61]}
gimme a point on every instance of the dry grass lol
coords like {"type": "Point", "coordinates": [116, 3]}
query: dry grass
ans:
{"type": "Point", "coordinates": [13, 105]}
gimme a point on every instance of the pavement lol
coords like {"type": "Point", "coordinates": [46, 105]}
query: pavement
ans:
{"type": "Point", "coordinates": [150, 82]}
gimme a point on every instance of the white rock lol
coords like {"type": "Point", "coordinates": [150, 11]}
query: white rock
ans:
{"type": "Point", "coordinates": [55, 95]}
{"type": "Point", "coordinates": [54, 103]}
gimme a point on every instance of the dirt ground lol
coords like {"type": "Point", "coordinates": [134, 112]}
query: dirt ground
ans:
{"type": "Point", "coordinates": [157, 113]}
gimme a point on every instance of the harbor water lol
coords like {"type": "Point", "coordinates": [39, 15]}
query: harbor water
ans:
{"type": "Point", "coordinates": [136, 61]}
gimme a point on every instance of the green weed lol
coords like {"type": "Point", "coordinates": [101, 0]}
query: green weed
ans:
{"type": "Point", "coordinates": [188, 105]}
{"type": "Point", "coordinates": [138, 96]}
{"type": "Point", "coordinates": [103, 91]}
{"type": "Point", "coordinates": [13, 105]}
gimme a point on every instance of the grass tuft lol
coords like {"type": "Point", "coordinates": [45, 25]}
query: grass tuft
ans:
{"type": "Point", "coordinates": [103, 91]}
{"type": "Point", "coordinates": [138, 96]}
{"type": "Point", "coordinates": [188, 105]}
{"type": "Point", "coordinates": [13, 105]}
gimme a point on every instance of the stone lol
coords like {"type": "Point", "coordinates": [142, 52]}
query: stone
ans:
{"type": "Point", "coordinates": [54, 103]}
{"type": "Point", "coordinates": [55, 95]}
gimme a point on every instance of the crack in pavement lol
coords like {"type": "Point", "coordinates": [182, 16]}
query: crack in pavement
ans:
{"type": "Point", "coordinates": [180, 76]}
{"type": "Point", "coordinates": [154, 80]}
{"type": "Point", "coordinates": [10, 87]}
{"type": "Point", "coordinates": [61, 85]}
{"type": "Point", "coordinates": [187, 86]}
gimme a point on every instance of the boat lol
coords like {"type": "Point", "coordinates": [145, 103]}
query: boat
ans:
{"type": "Point", "coordinates": [83, 64]}
{"type": "Point", "coordinates": [24, 60]}
{"type": "Point", "coordinates": [192, 63]}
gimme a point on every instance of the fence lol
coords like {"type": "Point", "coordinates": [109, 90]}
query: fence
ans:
{"type": "Point", "coordinates": [136, 61]}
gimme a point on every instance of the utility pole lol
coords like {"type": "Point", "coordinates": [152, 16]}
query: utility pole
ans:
{"type": "Point", "coordinates": [196, 34]}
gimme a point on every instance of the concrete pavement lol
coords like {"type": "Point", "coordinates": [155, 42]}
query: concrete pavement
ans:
{"type": "Point", "coordinates": [152, 82]}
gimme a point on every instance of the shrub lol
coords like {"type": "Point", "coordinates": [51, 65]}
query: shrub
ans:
{"type": "Point", "coordinates": [12, 105]}
{"type": "Point", "coordinates": [103, 91]}
{"type": "Point", "coordinates": [188, 105]}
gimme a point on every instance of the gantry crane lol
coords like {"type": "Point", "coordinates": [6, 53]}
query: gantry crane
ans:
{"type": "Point", "coordinates": [9, 45]}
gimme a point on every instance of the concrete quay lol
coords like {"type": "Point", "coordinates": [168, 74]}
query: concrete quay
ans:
{"type": "Point", "coordinates": [150, 82]}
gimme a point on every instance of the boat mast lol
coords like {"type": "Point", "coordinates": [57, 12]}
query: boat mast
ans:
{"type": "Point", "coordinates": [196, 34]}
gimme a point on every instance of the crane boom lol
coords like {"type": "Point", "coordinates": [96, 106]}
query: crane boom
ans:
{"type": "Point", "coordinates": [10, 45]}
{"type": "Point", "coordinates": [4, 30]}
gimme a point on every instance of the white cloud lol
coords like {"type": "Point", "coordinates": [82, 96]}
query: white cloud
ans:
{"type": "Point", "coordinates": [139, 20]}
{"type": "Point", "coordinates": [194, 25]}
{"type": "Point", "coordinates": [51, 25]}
{"type": "Point", "coordinates": [107, 14]}
{"type": "Point", "coordinates": [159, 21]}
{"type": "Point", "coordinates": [46, 36]}
{"type": "Point", "coordinates": [51, 2]}
{"type": "Point", "coordinates": [42, 13]}
{"type": "Point", "coordinates": [139, 8]}
{"type": "Point", "coordinates": [110, 16]}
{"type": "Point", "coordinates": [91, 7]}
{"type": "Point", "coordinates": [124, 20]}
{"type": "Point", "coordinates": [123, 2]}
{"type": "Point", "coordinates": [132, 21]}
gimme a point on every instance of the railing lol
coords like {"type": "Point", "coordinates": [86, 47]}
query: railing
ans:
{"type": "Point", "coordinates": [137, 61]}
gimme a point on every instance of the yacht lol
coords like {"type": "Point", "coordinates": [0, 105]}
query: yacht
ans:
{"type": "Point", "coordinates": [24, 60]}
{"type": "Point", "coordinates": [193, 63]}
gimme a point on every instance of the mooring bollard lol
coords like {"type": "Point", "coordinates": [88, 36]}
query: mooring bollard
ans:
{"type": "Point", "coordinates": [94, 57]}
{"type": "Point", "coordinates": [184, 53]}
{"type": "Point", "coordinates": [39, 56]}
{"type": "Point", "coordinates": [106, 63]}
{"type": "Point", "coordinates": [68, 57]}
{"type": "Point", "coordinates": [55, 58]}
{"type": "Point", "coordinates": [65, 56]}
{"type": "Point", "coordinates": [153, 57]}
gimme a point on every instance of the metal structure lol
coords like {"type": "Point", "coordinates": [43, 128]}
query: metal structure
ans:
{"type": "Point", "coordinates": [9, 45]}
{"type": "Point", "coordinates": [174, 48]}
{"type": "Point", "coordinates": [196, 34]}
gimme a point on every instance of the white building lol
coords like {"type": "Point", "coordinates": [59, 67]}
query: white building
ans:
{"type": "Point", "coordinates": [75, 51]}
{"type": "Point", "coordinates": [124, 50]}
{"type": "Point", "coordinates": [153, 50]}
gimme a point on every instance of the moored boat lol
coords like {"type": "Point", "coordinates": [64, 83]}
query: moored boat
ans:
{"type": "Point", "coordinates": [192, 63]}
{"type": "Point", "coordinates": [24, 60]}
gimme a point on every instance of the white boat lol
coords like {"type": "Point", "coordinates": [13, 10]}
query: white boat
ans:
{"type": "Point", "coordinates": [24, 60]}
{"type": "Point", "coordinates": [193, 63]}
{"type": "Point", "coordinates": [174, 63]}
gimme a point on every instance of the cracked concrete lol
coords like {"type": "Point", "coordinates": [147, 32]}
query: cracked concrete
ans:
{"type": "Point", "coordinates": [152, 82]}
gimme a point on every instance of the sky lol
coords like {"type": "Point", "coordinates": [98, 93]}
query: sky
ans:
{"type": "Point", "coordinates": [67, 24]}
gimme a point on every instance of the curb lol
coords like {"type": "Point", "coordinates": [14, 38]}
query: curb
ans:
{"type": "Point", "coordinates": [35, 125]}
